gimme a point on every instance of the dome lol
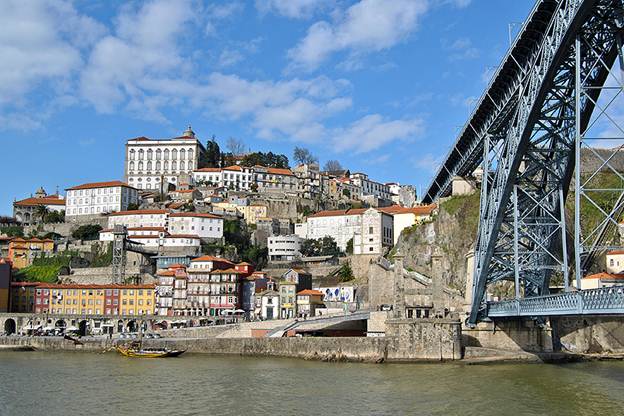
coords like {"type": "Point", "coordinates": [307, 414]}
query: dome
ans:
{"type": "Point", "coordinates": [188, 132]}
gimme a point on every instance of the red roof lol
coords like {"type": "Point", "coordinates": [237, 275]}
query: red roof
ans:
{"type": "Point", "coordinates": [234, 167]}
{"type": "Point", "coordinates": [603, 275]}
{"type": "Point", "coordinates": [310, 292]}
{"type": "Point", "coordinates": [194, 214]}
{"type": "Point", "coordinates": [212, 258]}
{"type": "Point", "coordinates": [233, 271]}
{"type": "Point", "coordinates": [418, 210]}
{"type": "Point", "coordinates": [277, 171]}
{"type": "Point", "coordinates": [139, 212]}
{"type": "Point", "coordinates": [615, 252]}
{"type": "Point", "coordinates": [95, 185]}
{"type": "Point", "coordinates": [339, 212]}
{"type": "Point", "coordinates": [208, 170]}
{"type": "Point", "coordinates": [47, 200]}
{"type": "Point", "coordinates": [92, 286]}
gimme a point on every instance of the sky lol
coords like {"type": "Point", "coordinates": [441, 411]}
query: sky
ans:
{"type": "Point", "coordinates": [383, 86]}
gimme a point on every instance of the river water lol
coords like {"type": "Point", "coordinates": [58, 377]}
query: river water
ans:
{"type": "Point", "coordinates": [72, 384]}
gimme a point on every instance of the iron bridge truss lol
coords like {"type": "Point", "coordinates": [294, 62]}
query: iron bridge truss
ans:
{"type": "Point", "coordinates": [528, 132]}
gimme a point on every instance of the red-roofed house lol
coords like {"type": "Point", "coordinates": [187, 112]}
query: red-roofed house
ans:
{"type": "Point", "coordinates": [598, 280]}
{"type": "Point", "coordinates": [308, 301]}
{"type": "Point", "coordinates": [615, 261]}
{"type": "Point", "coordinates": [403, 217]}
{"type": "Point", "coordinates": [274, 180]}
{"type": "Point", "coordinates": [26, 211]}
{"type": "Point", "coordinates": [94, 199]}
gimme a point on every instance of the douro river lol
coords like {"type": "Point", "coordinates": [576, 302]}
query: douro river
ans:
{"type": "Point", "coordinates": [72, 384]}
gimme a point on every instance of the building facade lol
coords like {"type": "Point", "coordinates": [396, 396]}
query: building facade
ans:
{"type": "Point", "coordinates": [28, 211]}
{"type": "Point", "coordinates": [22, 251]}
{"type": "Point", "coordinates": [94, 199]}
{"type": "Point", "coordinates": [370, 187]}
{"type": "Point", "coordinates": [375, 233]}
{"type": "Point", "coordinates": [284, 247]}
{"type": "Point", "coordinates": [152, 164]}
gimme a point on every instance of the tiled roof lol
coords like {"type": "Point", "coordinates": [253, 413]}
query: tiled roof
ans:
{"type": "Point", "coordinates": [418, 210]}
{"type": "Point", "coordinates": [212, 258]}
{"type": "Point", "coordinates": [194, 214]}
{"type": "Point", "coordinates": [232, 271]}
{"type": "Point", "coordinates": [208, 170]}
{"type": "Point", "coordinates": [339, 212]}
{"type": "Point", "coordinates": [94, 185]}
{"type": "Point", "coordinates": [234, 167]}
{"type": "Point", "coordinates": [92, 286]}
{"type": "Point", "coordinates": [310, 292]}
{"type": "Point", "coordinates": [615, 252]}
{"type": "Point", "coordinates": [108, 230]}
{"type": "Point", "coordinates": [138, 212]}
{"type": "Point", "coordinates": [48, 200]}
{"type": "Point", "coordinates": [603, 275]}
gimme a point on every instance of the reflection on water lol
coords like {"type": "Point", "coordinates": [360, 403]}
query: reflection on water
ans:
{"type": "Point", "coordinates": [107, 384]}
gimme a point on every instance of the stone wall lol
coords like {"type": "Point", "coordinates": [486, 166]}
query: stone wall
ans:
{"type": "Point", "coordinates": [512, 335]}
{"type": "Point", "coordinates": [424, 339]}
{"type": "Point", "coordinates": [589, 335]}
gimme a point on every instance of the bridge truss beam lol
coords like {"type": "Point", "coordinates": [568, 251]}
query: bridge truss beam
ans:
{"type": "Point", "coordinates": [529, 160]}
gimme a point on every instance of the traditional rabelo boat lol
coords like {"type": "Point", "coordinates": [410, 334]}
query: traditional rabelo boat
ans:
{"type": "Point", "coordinates": [135, 350]}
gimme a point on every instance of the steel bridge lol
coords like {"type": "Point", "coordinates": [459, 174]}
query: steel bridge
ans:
{"type": "Point", "coordinates": [547, 133]}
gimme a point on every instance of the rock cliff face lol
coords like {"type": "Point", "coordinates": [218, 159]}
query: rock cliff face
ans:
{"type": "Point", "coordinates": [438, 248]}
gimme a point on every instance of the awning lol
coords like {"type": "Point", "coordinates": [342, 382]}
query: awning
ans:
{"type": "Point", "coordinates": [72, 328]}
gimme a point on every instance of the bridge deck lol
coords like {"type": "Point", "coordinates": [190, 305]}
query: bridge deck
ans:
{"type": "Point", "coordinates": [603, 301]}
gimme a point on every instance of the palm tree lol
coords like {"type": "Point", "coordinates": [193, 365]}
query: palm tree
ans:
{"type": "Point", "coordinates": [41, 211]}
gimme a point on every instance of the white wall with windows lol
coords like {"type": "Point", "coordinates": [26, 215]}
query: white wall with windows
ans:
{"type": "Point", "coordinates": [99, 198]}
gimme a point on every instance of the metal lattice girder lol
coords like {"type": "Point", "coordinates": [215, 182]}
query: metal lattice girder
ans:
{"type": "Point", "coordinates": [522, 228]}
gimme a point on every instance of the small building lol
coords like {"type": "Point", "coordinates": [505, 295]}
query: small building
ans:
{"type": "Point", "coordinates": [284, 247]}
{"type": "Point", "coordinates": [300, 277]}
{"type": "Point", "coordinates": [615, 261]}
{"type": "Point", "coordinates": [406, 217]}
{"type": "Point", "coordinates": [600, 280]}
{"type": "Point", "coordinates": [94, 199]}
{"type": "Point", "coordinates": [287, 299]}
{"type": "Point", "coordinates": [5, 285]}
{"type": "Point", "coordinates": [269, 305]}
{"type": "Point", "coordinates": [23, 297]}
{"type": "Point", "coordinates": [23, 251]}
{"type": "Point", "coordinates": [308, 301]}
{"type": "Point", "coordinates": [28, 211]}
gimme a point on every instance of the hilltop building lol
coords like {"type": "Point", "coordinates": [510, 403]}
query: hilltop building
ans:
{"type": "Point", "coordinates": [91, 200]}
{"type": "Point", "coordinates": [26, 211]}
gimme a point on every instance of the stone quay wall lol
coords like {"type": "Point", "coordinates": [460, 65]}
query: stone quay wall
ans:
{"type": "Point", "coordinates": [589, 335]}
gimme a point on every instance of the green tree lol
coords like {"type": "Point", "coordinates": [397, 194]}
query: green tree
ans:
{"type": "Point", "coordinates": [41, 212]}
{"type": "Point", "coordinates": [325, 246]}
{"type": "Point", "coordinates": [350, 246]}
{"type": "Point", "coordinates": [87, 232]}
{"type": "Point", "coordinates": [345, 273]}
{"type": "Point", "coordinates": [211, 158]}
{"type": "Point", "coordinates": [133, 206]}
{"type": "Point", "coordinates": [332, 165]}
{"type": "Point", "coordinates": [14, 231]}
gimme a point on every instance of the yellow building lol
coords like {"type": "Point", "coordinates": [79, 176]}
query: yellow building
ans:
{"type": "Point", "coordinates": [253, 212]}
{"type": "Point", "coordinates": [74, 299]}
{"type": "Point", "coordinates": [23, 251]}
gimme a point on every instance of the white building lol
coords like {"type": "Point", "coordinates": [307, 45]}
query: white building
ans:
{"type": "Point", "coordinates": [308, 180]}
{"type": "Point", "coordinates": [404, 217]}
{"type": "Point", "coordinates": [204, 226]}
{"type": "Point", "coordinates": [375, 234]}
{"type": "Point", "coordinates": [153, 162]}
{"type": "Point", "coordinates": [301, 230]}
{"type": "Point", "coordinates": [284, 247]}
{"type": "Point", "coordinates": [344, 225]}
{"type": "Point", "coordinates": [370, 187]}
{"type": "Point", "coordinates": [99, 198]}
{"type": "Point", "coordinates": [269, 305]}
{"type": "Point", "coordinates": [404, 195]}
{"type": "Point", "coordinates": [274, 180]}
{"type": "Point", "coordinates": [615, 261]}
{"type": "Point", "coordinates": [235, 178]}
{"type": "Point", "coordinates": [153, 237]}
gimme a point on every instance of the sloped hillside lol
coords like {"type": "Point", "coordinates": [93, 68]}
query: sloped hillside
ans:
{"type": "Point", "coordinates": [448, 237]}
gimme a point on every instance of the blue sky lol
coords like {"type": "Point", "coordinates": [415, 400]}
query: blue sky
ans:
{"type": "Point", "coordinates": [381, 85]}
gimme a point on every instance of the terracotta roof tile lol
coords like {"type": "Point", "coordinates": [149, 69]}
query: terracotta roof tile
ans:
{"type": "Point", "coordinates": [33, 201]}
{"type": "Point", "coordinates": [94, 185]}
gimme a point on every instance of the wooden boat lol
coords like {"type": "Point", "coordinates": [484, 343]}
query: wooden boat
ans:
{"type": "Point", "coordinates": [135, 351]}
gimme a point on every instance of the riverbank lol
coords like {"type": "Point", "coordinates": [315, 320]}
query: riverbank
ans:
{"type": "Point", "coordinates": [344, 349]}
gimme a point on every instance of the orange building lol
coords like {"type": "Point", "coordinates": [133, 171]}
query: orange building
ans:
{"type": "Point", "coordinates": [23, 251]}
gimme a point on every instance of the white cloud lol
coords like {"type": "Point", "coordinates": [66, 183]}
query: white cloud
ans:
{"type": "Point", "coordinates": [369, 25]}
{"type": "Point", "coordinates": [40, 42]}
{"type": "Point", "coordinates": [296, 9]}
{"type": "Point", "coordinates": [220, 11]}
{"type": "Point", "coordinates": [372, 132]}
{"type": "Point", "coordinates": [229, 57]}
{"type": "Point", "coordinates": [428, 162]}
{"type": "Point", "coordinates": [462, 49]}
{"type": "Point", "coordinates": [143, 48]}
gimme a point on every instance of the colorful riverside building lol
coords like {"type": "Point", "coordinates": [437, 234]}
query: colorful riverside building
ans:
{"type": "Point", "coordinates": [75, 299]}
{"type": "Point", "coordinates": [209, 286]}
{"type": "Point", "coordinates": [23, 251]}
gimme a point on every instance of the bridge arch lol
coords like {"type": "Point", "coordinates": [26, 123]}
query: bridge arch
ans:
{"type": "Point", "coordinates": [10, 327]}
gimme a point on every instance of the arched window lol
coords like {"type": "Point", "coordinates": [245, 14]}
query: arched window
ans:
{"type": "Point", "coordinates": [174, 154]}
{"type": "Point", "coordinates": [174, 165]}
{"type": "Point", "coordinates": [158, 154]}
{"type": "Point", "coordinates": [190, 165]}
{"type": "Point", "coordinates": [165, 165]}
{"type": "Point", "coordinates": [182, 165]}
{"type": "Point", "coordinates": [131, 166]}
{"type": "Point", "coordinates": [132, 152]}
{"type": "Point", "coordinates": [182, 154]}
{"type": "Point", "coordinates": [141, 154]}
{"type": "Point", "coordinates": [158, 165]}
{"type": "Point", "coordinates": [149, 166]}
{"type": "Point", "coordinates": [190, 154]}
{"type": "Point", "coordinates": [140, 166]}
{"type": "Point", "coordinates": [166, 154]}
{"type": "Point", "coordinates": [149, 154]}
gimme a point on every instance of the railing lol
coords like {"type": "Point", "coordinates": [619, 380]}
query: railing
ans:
{"type": "Point", "coordinates": [603, 301]}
